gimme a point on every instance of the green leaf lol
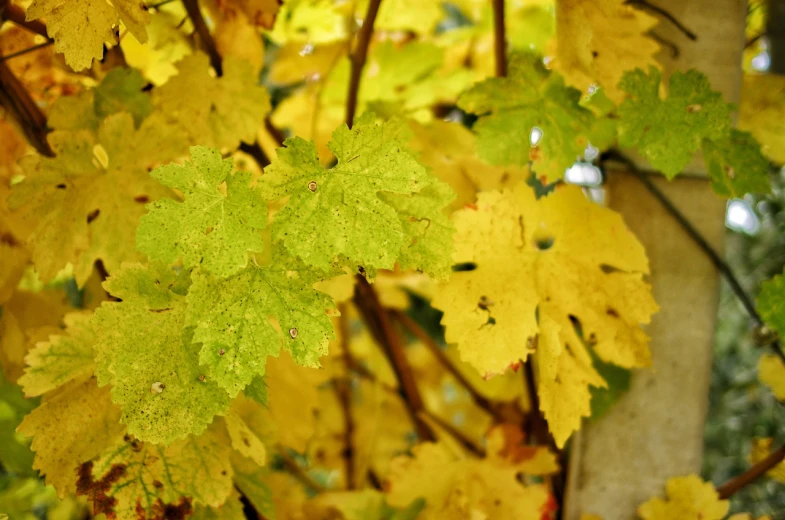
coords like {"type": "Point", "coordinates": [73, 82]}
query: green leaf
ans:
{"type": "Point", "coordinates": [771, 303]}
{"type": "Point", "coordinates": [61, 359]}
{"type": "Point", "coordinates": [668, 132]}
{"type": "Point", "coordinates": [121, 91]}
{"type": "Point", "coordinates": [338, 212]}
{"type": "Point", "coordinates": [428, 229]}
{"type": "Point", "coordinates": [736, 165]}
{"type": "Point", "coordinates": [257, 390]}
{"type": "Point", "coordinates": [618, 382]}
{"type": "Point", "coordinates": [142, 480]}
{"type": "Point", "coordinates": [15, 454]}
{"type": "Point", "coordinates": [509, 108]}
{"type": "Point", "coordinates": [211, 229]}
{"type": "Point", "coordinates": [232, 319]}
{"type": "Point", "coordinates": [146, 354]}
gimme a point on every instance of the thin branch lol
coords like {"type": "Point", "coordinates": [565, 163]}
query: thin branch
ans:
{"type": "Point", "coordinates": [700, 240]}
{"type": "Point", "coordinates": [454, 432]}
{"type": "Point", "coordinates": [358, 58]}
{"type": "Point", "coordinates": [192, 8]}
{"type": "Point", "coordinates": [499, 38]}
{"type": "Point", "coordinates": [378, 321]}
{"type": "Point", "coordinates": [344, 391]}
{"type": "Point", "coordinates": [667, 43]}
{"type": "Point", "coordinates": [752, 474]}
{"type": "Point", "coordinates": [665, 14]}
{"type": "Point", "coordinates": [273, 131]}
{"type": "Point", "coordinates": [752, 41]}
{"type": "Point", "coordinates": [255, 151]}
{"type": "Point", "coordinates": [295, 469]}
{"type": "Point", "coordinates": [25, 51]}
{"type": "Point", "coordinates": [16, 14]}
{"type": "Point", "coordinates": [24, 110]}
{"type": "Point", "coordinates": [412, 326]}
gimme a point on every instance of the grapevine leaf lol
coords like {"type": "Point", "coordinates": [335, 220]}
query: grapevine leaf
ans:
{"type": "Point", "coordinates": [667, 132]}
{"type": "Point", "coordinates": [762, 112]}
{"type": "Point", "coordinates": [428, 230]}
{"type": "Point", "coordinates": [543, 267]}
{"type": "Point", "coordinates": [771, 303]}
{"type": "Point", "coordinates": [216, 112]}
{"type": "Point", "coordinates": [80, 28]}
{"type": "Point", "coordinates": [121, 91]}
{"type": "Point", "coordinates": [510, 107]}
{"type": "Point", "coordinates": [61, 359]}
{"type": "Point", "coordinates": [463, 488]}
{"type": "Point", "coordinates": [232, 509]}
{"type": "Point", "coordinates": [138, 479]}
{"type": "Point", "coordinates": [338, 211]}
{"type": "Point", "coordinates": [244, 440]}
{"type": "Point", "coordinates": [143, 351]}
{"type": "Point", "coordinates": [250, 480]}
{"type": "Point", "coordinates": [257, 390]}
{"type": "Point", "coordinates": [771, 372]}
{"type": "Point", "coordinates": [688, 497]}
{"type": "Point", "coordinates": [232, 320]}
{"type": "Point", "coordinates": [736, 165]}
{"type": "Point", "coordinates": [211, 228]}
{"type": "Point", "coordinates": [85, 203]}
{"type": "Point", "coordinates": [598, 41]}
{"type": "Point", "coordinates": [72, 427]}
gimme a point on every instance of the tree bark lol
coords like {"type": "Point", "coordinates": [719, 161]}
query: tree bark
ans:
{"type": "Point", "coordinates": [655, 431]}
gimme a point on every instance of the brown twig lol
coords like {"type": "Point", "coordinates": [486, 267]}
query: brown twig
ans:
{"type": "Point", "coordinates": [752, 474]}
{"type": "Point", "coordinates": [412, 326]}
{"type": "Point", "coordinates": [344, 391]}
{"type": "Point", "coordinates": [255, 151]}
{"type": "Point", "coordinates": [358, 58]}
{"type": "Point", "coordinates": [25, 51]}
{"type": "Point", "coordinates": [192, 8]}
{"type": "Point", "coordinates": [24, 111]}
{"type": "Point", "coordinates": [499, 38]}
{"type": "Point", "coordinates": [295, 469]}
{"type": "Point", "coordinates": [17, 15]}
{"type": "Point", "coordinates": [273, 131]}
{"type": "Point", "coordinates": [644, 4]}
{"type": "Point", "coordinates": [378, 321]}
{"type": "Point", "coordinates": [699, 239]}
{"type": "Point", "coordinates": [454, 432]}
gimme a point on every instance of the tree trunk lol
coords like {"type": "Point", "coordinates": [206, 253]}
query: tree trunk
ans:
{"type": "Point", "coordinates": [655, 431]}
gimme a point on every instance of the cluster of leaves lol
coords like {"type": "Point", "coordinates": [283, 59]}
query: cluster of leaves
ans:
{"type": "Point", "coordinates": [192, 375]}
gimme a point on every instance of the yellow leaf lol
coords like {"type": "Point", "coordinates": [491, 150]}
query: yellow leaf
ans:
{"type": "Point", "coordinates": [598, 41]}
{"type": "Point", "coordinates": [689, 498]}
{"type": "Point", "coordinates": [771, 372]}
{"type": "Point", "coordinates": [760, 449]}
{"type": "Point", "coordinates": [762, 113]}
{"type": "Point", "coordinates": [74, 426]}
{"type": "Point", "coordinates": [237, 36]}
{"type": "Point", "coordinates": [450, 150]}
{"type": "Point", "coordinates": [165, 46]}
{"type": "Point", "coordinates": [243, 439]}
{"type": "Point", "coordinates": [468, 488]}
{"type": "Point", "coordinates": [544, 267]}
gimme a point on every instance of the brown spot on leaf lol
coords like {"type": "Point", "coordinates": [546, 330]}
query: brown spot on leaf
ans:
{"type": "Point", "coordinates": [8, 239]}
{"type": "Point", "coordinates": [612, 312]}
{"type": "Point", "coordinates": [179, 511]}
{"type": "Point", "coordinates": [142, 199]}
{"type": "Point", "coordinates": [96, 490]}
{"type": "Point", "coordinates": [93, 215]}
{"type": "Point", "coordinates": [157, 484]}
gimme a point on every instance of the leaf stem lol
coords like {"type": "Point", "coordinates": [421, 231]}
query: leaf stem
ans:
{"type": "Point", "coordinates": [378, 321]}
{"type": "Point", "coordinates": [358, 58]}
{"type": "Point", "coordinates": [499, 38]}
{"type": "Point", "coordinates": [454, 432]}
{"type": "Point", "coordinates": [699, 239]}
{"type": "Point", "coordinates": [752, 474]}
{"type": "Point", "coordinates": [192, 8]}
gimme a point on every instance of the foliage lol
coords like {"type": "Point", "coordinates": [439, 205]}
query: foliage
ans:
{"type": "Point", "coordinates": [219, 298]}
